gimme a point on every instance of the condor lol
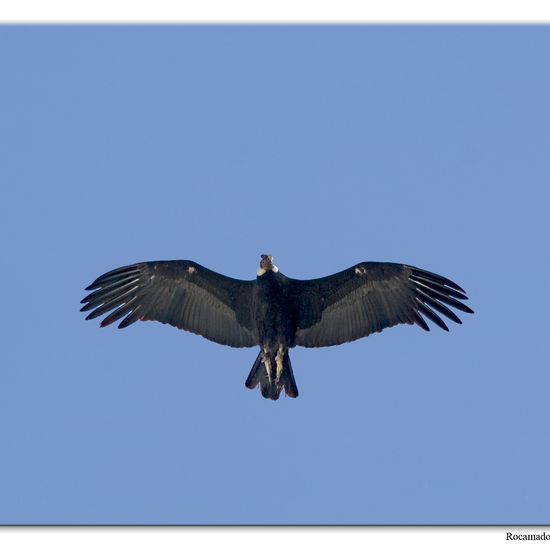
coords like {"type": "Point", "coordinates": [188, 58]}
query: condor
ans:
{"type": "Point", "coordinates": [274, 312]}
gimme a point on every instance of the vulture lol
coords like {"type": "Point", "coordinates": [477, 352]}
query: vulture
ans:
{"type": "Point", "coordinates": [273, 311]}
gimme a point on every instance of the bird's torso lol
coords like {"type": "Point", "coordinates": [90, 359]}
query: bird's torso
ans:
{"type": "Point", "coordinates": [274, 311]}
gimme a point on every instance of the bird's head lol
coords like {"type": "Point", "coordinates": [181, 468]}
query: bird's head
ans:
{"type": "Point", "coordinates": [266, 264]}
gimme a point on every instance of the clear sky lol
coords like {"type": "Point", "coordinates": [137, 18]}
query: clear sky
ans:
{"type": "Point", "coordinates": [324, 147]}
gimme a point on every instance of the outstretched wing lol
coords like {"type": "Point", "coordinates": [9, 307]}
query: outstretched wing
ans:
{"type": "Point", "coordinates": [181, 293]}
{"type": "Point", "coordinates": [370, 297]}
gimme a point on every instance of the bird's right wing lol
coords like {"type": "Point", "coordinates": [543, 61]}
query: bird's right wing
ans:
{"type": "Point", "coordinates": [181, 293]}
{"type": "Point", "coordinates": [370, 297]}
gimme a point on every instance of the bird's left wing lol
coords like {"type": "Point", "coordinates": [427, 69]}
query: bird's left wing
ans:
{"type": "Point", "coordinates": [370, 297]}
{"type": "Point", "coordinates": [181, 293]}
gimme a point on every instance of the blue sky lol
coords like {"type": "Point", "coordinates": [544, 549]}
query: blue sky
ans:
{"type": "Point", "coordinates": [323, 146]}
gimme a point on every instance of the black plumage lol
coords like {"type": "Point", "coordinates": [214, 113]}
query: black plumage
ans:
{"type": "Point", "coordinates": [273, 311]}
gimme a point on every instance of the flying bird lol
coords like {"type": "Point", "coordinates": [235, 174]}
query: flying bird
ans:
{"type": "Point", "coordinates": [273, 311]}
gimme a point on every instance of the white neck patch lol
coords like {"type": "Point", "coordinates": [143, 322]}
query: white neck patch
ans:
{"type": "Point", "coordinates": [263, 271]}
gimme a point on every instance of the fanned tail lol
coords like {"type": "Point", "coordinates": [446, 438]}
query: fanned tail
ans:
{"type": "Point", "coordinates": [267, 372]}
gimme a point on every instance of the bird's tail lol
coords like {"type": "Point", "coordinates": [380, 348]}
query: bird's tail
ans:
{"type": "Point", "coordinates": [273, 372]}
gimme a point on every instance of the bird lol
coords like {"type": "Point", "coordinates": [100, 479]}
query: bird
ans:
{"type": "Point", "coordinates": [273, 311]}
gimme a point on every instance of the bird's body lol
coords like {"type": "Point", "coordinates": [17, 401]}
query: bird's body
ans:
{"type": "Point", "coordinates": [276, 323]}
{"type": "Point", "coordinates": [274, 312]}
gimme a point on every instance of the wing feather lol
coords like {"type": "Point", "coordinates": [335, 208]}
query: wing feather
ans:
{"type": "Point", "coordinates": [181, 293]}
{"type": "Point", "coordinates": [370, 297]}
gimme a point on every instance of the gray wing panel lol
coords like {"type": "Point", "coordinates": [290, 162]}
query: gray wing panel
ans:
{"type": "Point", "coordinates": [180, 293]}
{"type": "Point", "coordinates": [370, 297]}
